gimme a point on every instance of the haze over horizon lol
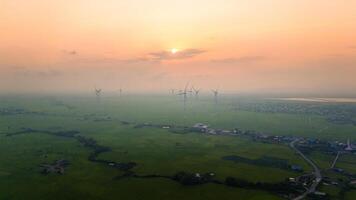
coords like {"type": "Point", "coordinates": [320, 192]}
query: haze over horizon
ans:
{"type": "Point", "coordinates": [276, 46]}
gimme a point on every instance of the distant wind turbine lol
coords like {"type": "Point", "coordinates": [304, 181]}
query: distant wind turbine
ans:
{"type": "Point", "coordinates": [184, 93]}
{"type": "Point", "coordinates": [215, 92]}
{"type": "Point", "coordinates": [196, 92]}
{"type": "Point", "coordinates": [98, 93]}
{"type": "Point", "coordinates": [190, 91]}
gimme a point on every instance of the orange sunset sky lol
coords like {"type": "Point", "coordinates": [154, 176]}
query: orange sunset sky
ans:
{"type": "Point", "coordinates": [279, 46]}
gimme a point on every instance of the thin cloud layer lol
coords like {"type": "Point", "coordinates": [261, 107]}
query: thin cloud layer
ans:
{"type": "Point", "coordinates": [179, 55]}
{"type": "Point", "coordinates": [153, 57]}
{"type": "Point", "coordinates": [46, 73]}
{"type": "Point", "coordinates": [244, 59]}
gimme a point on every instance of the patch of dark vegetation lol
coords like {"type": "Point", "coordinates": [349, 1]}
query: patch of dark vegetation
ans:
{"type": "Point", "coordinates": [23, 131]}
{"type": "Point", "coordinates": [56, 167]}
{"type": "Point", "coordinates": [345, 190]}
{"type": "Point", "coordinates": [62, 104]}
{"type": "Point", "coordinates": [97, 118]}
{"type": "Point", "coordinates": [178, 144]}
{"type": "Point", "coordinates": [144, 125]}
{"type": "Point", "coordinates": [186, 178]}
{"type": "Point", "coordinates": [150, 176]}
{"type": "Point", "coordinates": [318, 196]}
{"type": "Point", "coordinates": [103, 119]}
{"type": "Point", "coordinates": [98, 149]}
{"type": "Point", "coordinates": [286, 188]}
{"type": "Point", "coordinates": [265, 161]}
{"type": "Point", "coordinates": [180, 130]}
{"type": "Point", "coordinates": [131, 174]}
{"type": "Point", "coordinates": [19, 111]}
{"type": "Point", "coordinates": [125, 123]}
{"type": "Point", "coordinates": [56, 133]}
{"type": "Point", "coordinates": [161, 126]}
{"type": "Point", "coordinates": [282, 188]}
{"type": "Point", "coordinates": [13, 111]}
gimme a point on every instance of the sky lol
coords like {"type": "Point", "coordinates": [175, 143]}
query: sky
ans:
{"type": "Point", "coordinates": [238, 46]}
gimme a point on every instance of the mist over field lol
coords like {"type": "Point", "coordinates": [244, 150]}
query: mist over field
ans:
{"type": "Point", "coordinates": [172, 100]}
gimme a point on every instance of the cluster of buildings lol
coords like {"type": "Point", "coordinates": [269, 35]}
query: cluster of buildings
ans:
{"type": "Point", "coordinates": [306, 144]}
{"type": "Point", "coordinates": [259, 136]}
{"type": "Point", "coordinates": [204, 128]}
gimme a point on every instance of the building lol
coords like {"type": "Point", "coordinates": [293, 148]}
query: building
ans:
{"type": "Point", "coordinates": [200, 127]}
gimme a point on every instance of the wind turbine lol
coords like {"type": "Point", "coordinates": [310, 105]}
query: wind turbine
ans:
{"type": "Point", "coordinates": [190, 91]}
{"type": "Point", "coordinates": [97, 93]}
{"type": "Point", "coordinates": [216, 92]}
{"type": "Point", "coordinates": [184, 93]}
{"type": "Point", "coordinates": [349, 146]}
{"type": "Point", "coordinates": [120, 92]}
{"type": "Point", "coordinates": [196, 92]}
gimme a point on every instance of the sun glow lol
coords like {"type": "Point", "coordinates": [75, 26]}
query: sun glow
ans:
{"type": "Point", "coordinates": [174, 50]}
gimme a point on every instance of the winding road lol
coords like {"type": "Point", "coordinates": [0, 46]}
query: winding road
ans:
{"type": "Point", "coordinates": [317, 173]}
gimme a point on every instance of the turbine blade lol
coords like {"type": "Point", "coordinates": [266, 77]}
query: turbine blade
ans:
{"type": "Point", "coordinates": [186, 86]}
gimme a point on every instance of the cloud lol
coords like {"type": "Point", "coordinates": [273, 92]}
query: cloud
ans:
{"type": "Point", "coordinates": [352, 47]}
{"type": "Point", "coordinates": [150, 58]}
{"type": "Point", "coordinates": [179, 55]}
{"type": "Point", "coordinates": [106, 60]}
{"type": "Point", "coordinates": [49, 73]}
{"type": "Point", "coordinates": [243, 59]}
{"type": "Point", "coordinates": [71, 52]}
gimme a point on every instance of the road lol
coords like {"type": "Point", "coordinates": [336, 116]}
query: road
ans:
{"type": "Point", "coordinates": [335, 160]}
{"type": "Point", "coordinates": [317, 173]}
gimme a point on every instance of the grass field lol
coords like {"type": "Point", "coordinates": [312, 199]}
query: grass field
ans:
{"type": "Point", "coordinates": [157, 151]}
{"type": "Point", "coordinates": [347, 162]}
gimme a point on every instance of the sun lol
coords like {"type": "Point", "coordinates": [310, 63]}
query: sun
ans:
{"type": "Point", "coordinates": [174, 50]}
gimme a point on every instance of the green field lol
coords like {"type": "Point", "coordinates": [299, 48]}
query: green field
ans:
{"type": "Point", "coordinates": [155, 150]}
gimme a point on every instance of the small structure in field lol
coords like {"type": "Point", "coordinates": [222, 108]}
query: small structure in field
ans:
{"type": "Point", "coordinates": [200, 127]}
